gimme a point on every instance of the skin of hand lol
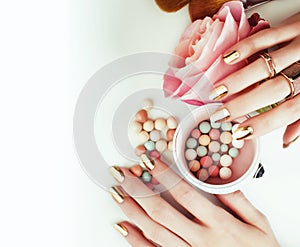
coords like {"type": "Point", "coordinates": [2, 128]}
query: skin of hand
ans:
{"type": "Point", "coordinates": [250, 89]}
{"type": "Point", "coordinates": [193, 221]}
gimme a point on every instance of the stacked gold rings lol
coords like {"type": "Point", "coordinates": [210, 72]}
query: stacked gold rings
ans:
{"type": "Point", "coordinates": [291, 74]}
{"type": "Point", "coordinates": [270, 64]}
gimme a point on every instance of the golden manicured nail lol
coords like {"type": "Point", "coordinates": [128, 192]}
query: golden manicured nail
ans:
{"type": "Point", "coordinates": [218, 93]}
{"type": "Point", "coordinates": [121, 229]}
{"type": "Point", "coordinates": [220, 115]}
{"type": "Point", "coordinates": [288, 144]}
{"type": "Point", "coordinates": [230, 56]}
{"type": "Point", "coordinates": [147, 162]}
{"type": "Point", "coordinates": [242, 132]}
{"type": "Point", "coordinates": [117, 193]}
{"type": "Point", "coordinates": [117, 173]}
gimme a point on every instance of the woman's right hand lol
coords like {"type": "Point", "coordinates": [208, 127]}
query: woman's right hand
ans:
{"type": "Point", "coordinates": [281, 71]}
{"type": "Point", "coordinates": [195, 221]}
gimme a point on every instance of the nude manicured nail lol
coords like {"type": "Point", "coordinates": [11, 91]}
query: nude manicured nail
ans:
{"type": "Point", "coordinates": [147, 162]}
{"type": "Point", "coordinates": [242, 132]}
{"type": "Point", "coordinates": [230, 56]}
{"type": "Point", "coordinates": [117, 173]}
{"type": "Point", "coordinates": [117, 194]}
{"type": "Point", "coordinates": [286, 145]}
{"type": "Point", "coordinates": [218, 93]}
{"type": "Point", "coordinates": [220, 115]}
{"type": "Point", "coordinates": [121, 229]}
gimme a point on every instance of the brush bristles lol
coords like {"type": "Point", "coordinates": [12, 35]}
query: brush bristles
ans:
{"type": "Point", "coordinates": [200, 9]}
{"type": "Point", "coordinates": [172, 5]}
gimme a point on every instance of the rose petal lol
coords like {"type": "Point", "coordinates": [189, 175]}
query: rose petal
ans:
{"type": "Point", "coordinates": [199, 63]}
{"type": "Point", "coordinates": [206, 56]}
{"type": "Point", "coordinates": [171, 83]}
{"type": "Point", "coordinates": [236, 10]}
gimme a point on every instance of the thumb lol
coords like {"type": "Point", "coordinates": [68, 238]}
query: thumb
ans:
{"type": "Point", "coordinates": [291, 133]}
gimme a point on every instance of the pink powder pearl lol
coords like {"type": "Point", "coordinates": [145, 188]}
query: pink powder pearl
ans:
{"type": "Point", "coordinates": [206, 161]}
{"type": "Point", "coordinates": [214, 134]}
{"type": "Point", "coordinates": [195, 133]}
{"type": "Point", "coordinates": [155, 154]}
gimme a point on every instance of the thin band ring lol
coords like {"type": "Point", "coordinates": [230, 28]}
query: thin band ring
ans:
{"type": "Point", "coordinates": [270, 64]}
{"type": "Point", "coordinates": [292, 75]}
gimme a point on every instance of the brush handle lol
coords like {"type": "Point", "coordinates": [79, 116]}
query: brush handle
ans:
{"type": "Point", "coordinates": [252, 3]}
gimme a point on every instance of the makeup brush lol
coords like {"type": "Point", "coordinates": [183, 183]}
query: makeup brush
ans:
{"type": "Point", "coordinates": [200, 8]}
{"type": "Point", "coordinates": [171, 5]}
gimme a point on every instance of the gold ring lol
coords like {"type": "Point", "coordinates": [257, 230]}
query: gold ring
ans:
{"type": "Point", "coordinates": [270, 64]}
{"type": "Point", "coordinates": [292, 75]}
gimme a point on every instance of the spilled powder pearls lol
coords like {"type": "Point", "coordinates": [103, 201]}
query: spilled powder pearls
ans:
{"type": "Point", "coordinates": [144, 176]}
{"type": "Point", "coordinates": [155, 135]}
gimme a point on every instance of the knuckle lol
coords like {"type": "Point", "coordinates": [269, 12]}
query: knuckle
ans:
{"type": "Point", "coordinates": [186, 193]}
{"type": "Point", "coordinates": [158, 212]}
{"type": "Point", "coordinates": [154, 233]}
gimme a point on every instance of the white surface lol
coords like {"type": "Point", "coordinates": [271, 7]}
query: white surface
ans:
{"type": "Point", "coordinates": [49, 49]}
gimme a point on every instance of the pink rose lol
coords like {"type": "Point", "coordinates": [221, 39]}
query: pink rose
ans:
{"type": "Point", "coordinates": [198, 62]}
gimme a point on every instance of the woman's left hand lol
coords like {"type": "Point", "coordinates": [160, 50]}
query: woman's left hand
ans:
{"type": "Point", "coordinates": [194, 221]}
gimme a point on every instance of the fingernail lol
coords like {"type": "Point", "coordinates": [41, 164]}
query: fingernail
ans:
{"type": "Point", "coordinates": [286, 145]}
{"type": "Point", "coordinates": [147, 162]}
{"type": "Point", "coordinates": [230, 56]}
{"type": "Point", "coordinates": [117, 173]}
{"type": "Point", "coordinates": [242, 132]}
{"type": "Point", "coordinates": [117, 194]}
{"type": "Point", "coordinates": [218, 93]}
{"type": "Point", "coordinates": [220, 115]}
{"type": "Point", "coordinates": [121, 229]}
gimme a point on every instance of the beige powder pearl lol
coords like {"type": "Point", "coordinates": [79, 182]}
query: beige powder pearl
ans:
{"type": "Point", "coordinates": [161, 146]}
{"type": "Point", "coordinates": [136, 126]}
{"type": "Point", "coordinates": [144, 136]}
{"type": "Point", "coordinates": [172, 123]}
{"type": "Point", "coordinates": [148, 125]}
{"type": "Point", "coordinates": [160, 124]}
{"type": "Point", "coordinates": [147, 104]}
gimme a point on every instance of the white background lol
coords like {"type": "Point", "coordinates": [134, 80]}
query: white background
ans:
{"type": "Point", "coordinates": [48, 50]}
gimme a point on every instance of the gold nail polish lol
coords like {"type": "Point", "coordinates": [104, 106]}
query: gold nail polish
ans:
{"type": "Point", "coordinates": [117, 173]}
{"type": "Point", "coordinates": [121, 229]}
{"type": "Point", "coordinates": [220, 115]}
{"type": "Point", "coordinates": [117, 194]}
{"type": "Point", "coordinates": [288, 144]}
{"type": "Point", "coordinates": [147, 162]}
{"type": "Point", "coordinates": [242, 132]}
{"type": "Point", "coordinates": [230, 56]}
{"type": "Point", "coordinates": [218, 93]}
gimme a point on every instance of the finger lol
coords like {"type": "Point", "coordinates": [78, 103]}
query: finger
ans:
{"type": "Point", "coordinates": [268, 93]}
{"type": "Point", "coordinates": [255, 72]}
{"type": "Point", "coordinates": [151, 229]}
{"type": "Point", "coordinates": [241, 206]}
{"type": "Point", "coordinates": [291, 133]}
{"type": "Point", "coordinates": [133, 235]}
{"type": "Point", "coordinates": [158, 209]}
{"type": "Point", "coordinates": [280, 116]}
{"type": "Point", "coordinates": [198, 205]}
{"type": "Point", "coordinates": [261, 41]}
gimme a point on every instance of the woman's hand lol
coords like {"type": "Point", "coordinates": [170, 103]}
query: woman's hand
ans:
{"type": "Point", "coordinates": [249, 91]}
{"type": "Point", "coordinates": [193, 221]}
